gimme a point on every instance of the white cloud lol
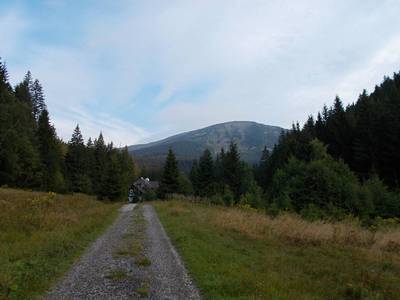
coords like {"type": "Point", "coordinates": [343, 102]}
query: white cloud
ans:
{"type": "Point", "coordinates": [114, 130]}
{"type": "Point", "coordinates": [268, 61]}
{"type": "Point", "coordinates": [383, 62]}
{"type": "Point", "coordinates": [11, 27]}
{"type": "Point", "coordinates": [300, 59]}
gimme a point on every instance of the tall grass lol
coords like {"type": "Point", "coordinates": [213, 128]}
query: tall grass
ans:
{"type": "Point", "coordinates": [293, 228]}
{"type": "Point", "coordinates": [40, 236]}
{"type": "Point", "coordinates": [240, 253]}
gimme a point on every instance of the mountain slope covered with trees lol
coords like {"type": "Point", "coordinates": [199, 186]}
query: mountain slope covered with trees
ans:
{"type": "Point", "coordinates": [250, 137]}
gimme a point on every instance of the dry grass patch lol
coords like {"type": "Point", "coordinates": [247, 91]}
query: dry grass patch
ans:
{"type": "Point", "coordinates": [293, 228]}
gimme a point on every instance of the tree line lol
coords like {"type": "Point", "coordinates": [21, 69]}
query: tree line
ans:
{"type": "Point", "coordinates": [224, 180]}
{"type": "Point", "coordinates": [33, 156]}
{"type": "Point", "coordinates": [344, 161]}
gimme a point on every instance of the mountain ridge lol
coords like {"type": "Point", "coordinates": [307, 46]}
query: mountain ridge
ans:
{"type": "Point", "coordinates": [251, 137]}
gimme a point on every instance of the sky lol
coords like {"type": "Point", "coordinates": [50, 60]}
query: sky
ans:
{"type": "Point", "coordinates": [143, 70]}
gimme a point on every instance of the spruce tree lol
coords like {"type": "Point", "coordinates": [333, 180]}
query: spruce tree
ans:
{"type": "Point", "coordinates": [23, 91]}
{"type": "Point", "coordinates": [4, 83]}
{"type": "Point", "coordinates": [194, 178]}
{"type": "Point", "coordinates": [128, 169]}
{"type": "Point", "coordinates": [262, 168]}
{"type": "Point", "coordinates": [99, 170]}
{"type": "Point", "coordinates": [233, 170]}
{"type": "Point", "coordinates": [18, 135]}
{"type": "Point", "coordinates": [75, 163]}
{"type": "Point", "coordinates": [113, 185]}
{"type": "Point", "coordinates": [90, 143]}
{"type": "Point", "coordinates": [8, 156]}
{"type": "Point", "coordinates": [50, 154]}
{"type": "Point", "coordinates": [91, 162]}
{"type": "Point", "coordinates": [220, 179]}
{"type": "Point", "coordinates": [170, 178]}
{"type": "Point", "coordinates": [205, 176]}
{"type": "Point", "coordinates": [38, 103]}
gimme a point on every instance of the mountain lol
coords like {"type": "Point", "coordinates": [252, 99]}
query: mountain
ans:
{"type": "Point", "coordinates": [251, 137]}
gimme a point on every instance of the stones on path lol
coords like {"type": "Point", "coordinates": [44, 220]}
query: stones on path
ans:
{"type": "Point", "coordinates": [133, 259]}
{"type": "Point", "coordinates": [99, 274]}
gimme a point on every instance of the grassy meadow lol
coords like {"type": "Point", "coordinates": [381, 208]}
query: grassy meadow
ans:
{"type": "Point", "coordinates": [237, 253]}
{"type": "Point", "coordinates": [41, 234]}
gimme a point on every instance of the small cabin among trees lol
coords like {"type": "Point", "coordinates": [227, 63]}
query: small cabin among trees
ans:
{"type": "Point", "coordinates": [140, 188]}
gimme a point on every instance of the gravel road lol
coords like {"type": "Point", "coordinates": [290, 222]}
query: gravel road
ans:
{"type": "Point", "coordinates": [102, 274]}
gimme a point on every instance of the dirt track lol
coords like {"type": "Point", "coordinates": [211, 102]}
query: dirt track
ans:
{"type": "Point", "coordinates": [102, 274]}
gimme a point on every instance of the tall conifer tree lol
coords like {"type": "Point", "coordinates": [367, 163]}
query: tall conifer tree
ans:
{"type": "Point", "coordinates": [100, 167]}
{"type": "Point", "coordinates": [205, 176]}
{"type": "Point", "coordinates": [194, 177]}
{"type": "Point", "coordinates": [233, 170]}
{"type": "Point", "coordinates": [50, 154]}
{"type": "Point", "coordinates": [76, 165]}
{"type": "Point", "coordinates": [170, 179]}
{"type": "Point", "coordinates": [38, 102]}
{"type": "Point", "coordinates": [262, 169]}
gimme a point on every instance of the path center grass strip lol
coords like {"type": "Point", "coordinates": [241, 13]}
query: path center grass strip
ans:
{"type": "Point", "coordinates": [243, 262]}
{"type": "Point", "coordinates": [41, 234]}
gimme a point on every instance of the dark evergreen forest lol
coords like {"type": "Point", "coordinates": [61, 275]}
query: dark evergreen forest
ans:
{"type": "Point", "coordinates": [346, 161]}
{"type": "Point", "coordinates": [32, 156]}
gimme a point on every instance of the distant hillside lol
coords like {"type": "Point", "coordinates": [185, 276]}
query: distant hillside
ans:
{"type": "Point", "coordinates": [251, 138]}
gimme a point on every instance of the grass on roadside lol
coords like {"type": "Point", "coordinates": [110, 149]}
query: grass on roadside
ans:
{"type": "Point", "coordinates": [41, 234]}
{"type": "Point", "coordinates": [116, 275]}
{"type": "Point", "coordinates": [243, 254]}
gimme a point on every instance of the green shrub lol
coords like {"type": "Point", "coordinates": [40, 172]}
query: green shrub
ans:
{"type": "Point", "coordinates": [150, 195]}
{"type": "Point", "coordinates": [217, 200]}
{"type": "Point", "coordinates": [387, 223]}
{"type": "Point", "coordinates": [253, 198]}
{"type": "Point", "coordinates": [380, 200]}
{"type": "Point", "coordinates": [325, 183]}
{"type": "Point", "coordinates": [185, 186]}
{"type": "Point", "coordinates": [312, 212]}
{"type": "Point", "coordinates": [272, 210]}
{"type": "Point", "coordinates": [228, 197]}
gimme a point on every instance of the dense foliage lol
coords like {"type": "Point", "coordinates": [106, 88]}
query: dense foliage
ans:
{"type": "Point", "coordinates": [358, 170]}
{"type": "Point", "coordinates": [32, 156]}
{"type": "Point", "coordinates": [346, 161]}
{"type": "Point", "coordinates": [323, 187]}
{"type": "Point", "coordinates": [225, 180]}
